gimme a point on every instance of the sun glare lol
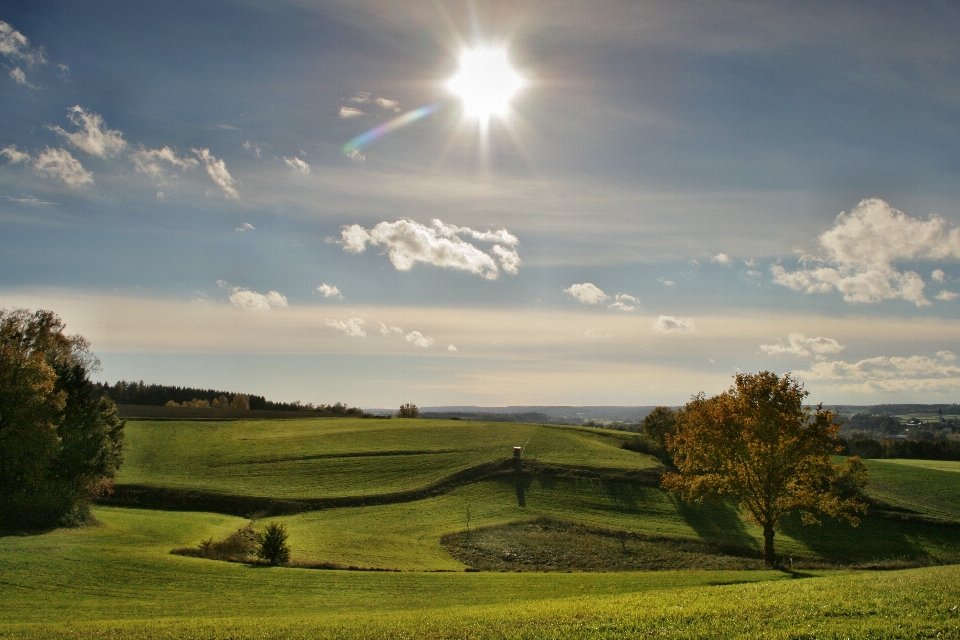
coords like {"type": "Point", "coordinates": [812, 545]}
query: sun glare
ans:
{"type": "Point", "coordinates": [485, 83]}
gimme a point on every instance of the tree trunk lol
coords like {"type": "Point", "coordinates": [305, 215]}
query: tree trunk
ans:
{"type": "Point", "coordinates": [769, 557]}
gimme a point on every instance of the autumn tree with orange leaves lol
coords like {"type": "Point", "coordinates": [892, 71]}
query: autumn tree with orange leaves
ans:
{"type": "Point", "coordinates": [757, 443]}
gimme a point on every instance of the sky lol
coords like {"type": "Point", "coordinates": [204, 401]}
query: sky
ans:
{"type": "Point", "coordinates": [629, 203]}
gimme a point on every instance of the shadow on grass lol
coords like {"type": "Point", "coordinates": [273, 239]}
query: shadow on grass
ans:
{"type": "Point", "coordinates": [717, 521]}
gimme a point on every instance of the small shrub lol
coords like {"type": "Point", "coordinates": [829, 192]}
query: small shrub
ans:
{"type": "Point", "coordinates": [273, 546]}
{"type": "Point", "coordinates": [408, 411]}
{"type": "Point", "coordinates": [239, 546]}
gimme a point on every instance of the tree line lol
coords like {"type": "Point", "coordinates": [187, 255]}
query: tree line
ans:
{"type": "Point", "coordinates": [908, 449]}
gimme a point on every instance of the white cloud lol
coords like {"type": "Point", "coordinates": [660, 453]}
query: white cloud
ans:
{"type": "Point", "coordinates": [246, 226]}
{"type": "Point", "coordinates": [587, 293]}
{"type": "Point", "coordinates": [389, 105]}
{"type": "Point", "coordinates": [19, 76]}
{"type": "Point", "coordinates": [363, 97]}
{"type": "Point", "coordinates": [298, 165]}
{"type": "Point", "coordinates": [886, 374]}
{"type": "Point", "coordinates": [355, 156]}
{"type": "Point", "coordinates": [217, 171]}
{"type": "Point", "coordinates": [246, 299]}
{"type": "Point", "coordinates": [419, 339]}
{"type": "Point", "coordinates": [946, 296]}
{"type": "Point", "coordinates": [671, 324]}
{"type": "Point", "coordinates": [14, 156]}
{"type": "Point", "coordinates": [667, 283]}
{"type": "Point", "coordinates": [625, 302]}
{"type": "Point", "coordinates": [407, 242]}
{"type": "Point", "coordinates": [385, 330]}
{"type": "Point", "coordinates": [14, 45]}
{"type": "Point", "coordinates": [58, 163]}
{"type": "Point", "coordinates": [450, 347]}
{"type": "Point", "coordinates": [92, 136]}
{"type": "Point", "coordinates": [800, 345]}
{"type": "Point", "coordinates": [946, 356]}
{"type": "Point", "coordinates": [722, 258]}
{"type": "Point", "coordinates": [350, 112]}
{"type": "Point", "coordinates": [255, 150]}
{"type": "Point", "coordinates": [862, 249]}
{"type": "Point", "coordinates": [353, 327]}
{"type": "Point", "coordinates": [330, 291]}
{"type": "Point", "coordinates": [156, 162]}
{"type": "Point", "coordinates": [938, 275]}
{"type": "Point", "coordinates": [30, 200]}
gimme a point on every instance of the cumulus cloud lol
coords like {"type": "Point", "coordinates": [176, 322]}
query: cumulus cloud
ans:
{"type": "Point", "coordinates": [350, 112]}
{"type": "Point", "coordinates": [352, 327]}
{"type": "Point", "coordinates": [15, 46]}
{"type": "Point", "coordinates": [722, 258]}
{"type": "Point", "coordinates": [355, 156]}
{"type": "Point", "coordinates": [407, 242]}
{"type": "Point", "coordinates": [330, 291]}
{"type": "Point", "coordinates": [20, 77]}
{"type": "Point", "coordinates": [247, 299]}
{"type": "Point", "coordinates": [246, 226]}
{"type": "Point", "coordinates": [389, 105]}
{"type": "Point", "coordinates": [625, 302]}
{"type": "Point", "coordinates": [93, 137]}
{"type": "Point", "coordinates": [13, 156]}
{"type": "Point", "coordinates": [800, 345]}
{"type": "Point", "coordinates": [385, 330]}
{"type": "Point", "coordinates": [886, 374]}
{"type": "Point", "coordinates": [58, 163]}
{"type": "Point", "coordinates": [947, 296]}
{"type": "Point", "coordinates": [450, 347]}
{"type": "Point", "coordinates": [156, 163]}
{"type": "Point", "coordinates": [946, 356]}
{"type": "Point", "coordinates": [298, 165]}
{"type": "Point", "coordinates": [418, 339]}
{"type": "Point", "coordinates": [861, 251]}
{"type": "Point", "coordinates": [938, 275]}
{"type": "Point", "coordinates": [671, 324]}
{"type": "Point", "coordinates": [217, 171]}
{"type": "Point", "coordinates": [587, 293]}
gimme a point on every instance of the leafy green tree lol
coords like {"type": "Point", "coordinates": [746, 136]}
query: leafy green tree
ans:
{"type": "Point", "coordinates": [273, 545]}
{"type": "Point", "coordinates": [60, 441]}
{"type": "Point", "coordinates": [658, 423]}
{"type": "Point", "coordinates": [758, 444]}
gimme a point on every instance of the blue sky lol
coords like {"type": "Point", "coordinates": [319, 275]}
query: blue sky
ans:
{"type": "Point", "coordinates": [678, 192]}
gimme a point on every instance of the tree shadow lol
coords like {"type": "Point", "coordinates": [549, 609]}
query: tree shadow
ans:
{"type": "Point", "coordinates": [875, 539]}
{"type": "Point", "coordinates": [718, 522]}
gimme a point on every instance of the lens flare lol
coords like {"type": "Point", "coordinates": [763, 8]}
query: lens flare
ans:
{"type": "Point", "coordinates": [379, 131]}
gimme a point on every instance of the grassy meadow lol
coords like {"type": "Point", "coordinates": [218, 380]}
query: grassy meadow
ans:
{"type": "Point", "coordinates": [119, 579]}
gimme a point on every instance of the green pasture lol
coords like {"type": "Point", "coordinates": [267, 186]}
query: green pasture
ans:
{"type": "Point", "coordinates": [319, 458]}
{"type": "Point", "coordinates": [119, 579]}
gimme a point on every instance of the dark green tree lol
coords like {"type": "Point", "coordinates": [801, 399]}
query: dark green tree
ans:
{"type": "Point", "coordinates": [60, 441]}
{"type": "Point", "coordinates": [408, 411]}
{"type": "Point", "coordinates": [273, 545]}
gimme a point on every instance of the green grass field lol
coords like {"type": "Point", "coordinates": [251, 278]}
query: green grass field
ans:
{"type": "Point", "coordinates": [119, 579]}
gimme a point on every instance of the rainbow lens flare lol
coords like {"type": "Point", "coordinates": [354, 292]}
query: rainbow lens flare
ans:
{"type": "Point", "coordinates": [380, 131]}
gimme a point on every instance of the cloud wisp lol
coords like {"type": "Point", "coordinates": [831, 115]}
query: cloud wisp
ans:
{"type": "Point", "coordinates": [157, 163]}
{"type": "Point", "coordinates": [625, 302]}
{"type": "Point", "coordinates": [407, 242]}
{"type": "Point", "coordinates": [351, 327]}
{"type": "Point", "coordinates": [418, 339]}
{"type": "Point", "coordinates": [58, 163]}
{"type": "Point", "coordinates": [861, 251]}
{"type": "Point", "coordinates": [800, 345]}
{"type": "Point", "coordinates": [586, 293]}
{"type": "Point", "coordinates": [217, 171]}
{"type": "Point", "coordinates": [92, 137]}
{"type": "Point", "coordinates": [298, 165]}
{"type": "Point", "coordinates": [13, 156]}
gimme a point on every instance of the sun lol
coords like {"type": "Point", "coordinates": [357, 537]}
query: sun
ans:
{"type": "Point", "coordinates": [485, 83]}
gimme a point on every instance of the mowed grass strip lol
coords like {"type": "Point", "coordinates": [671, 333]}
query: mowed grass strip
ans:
{"type": "Point", "coordinates": [318, 458]}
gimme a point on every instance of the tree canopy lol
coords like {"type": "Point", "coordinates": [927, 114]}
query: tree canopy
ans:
{"type": "Point", "coordinates": [60, 441]}
{"type": "Point", "coordinates": [758, 444]}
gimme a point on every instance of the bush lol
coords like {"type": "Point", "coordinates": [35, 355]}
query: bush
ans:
{"type": "Point", "coordinates": [408, 411]}
{"type": "Point", "coordinates": [273, 545]}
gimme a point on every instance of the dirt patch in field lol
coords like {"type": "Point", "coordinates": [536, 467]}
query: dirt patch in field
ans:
{"type": "Point", "coordinates": [551, 545]}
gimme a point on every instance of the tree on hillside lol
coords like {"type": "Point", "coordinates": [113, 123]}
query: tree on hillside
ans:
{"type": "Point", "coordinates": [408, 411]}
{"type": "Point", "coordinates": [658, 423]}
{"type": "Point", "coordinates": [60, 441]}
{"type": "Point", "coordinates": [758, 444]}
